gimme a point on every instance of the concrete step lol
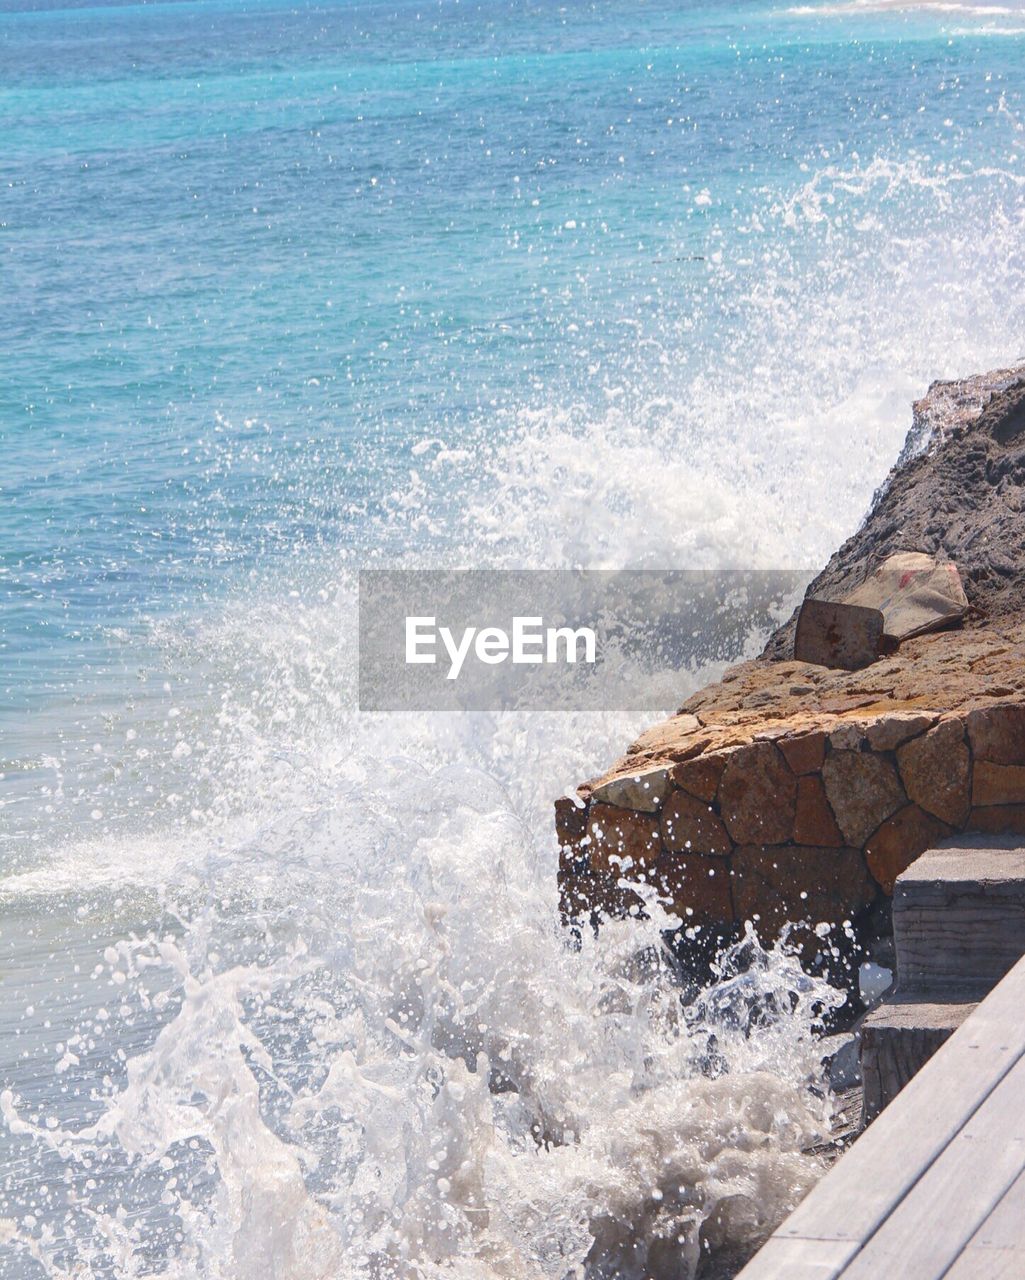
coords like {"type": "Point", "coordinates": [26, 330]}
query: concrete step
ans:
{"type": "Point", "coordinates": [959, 914]}
{"type": "Point", "coordinates": [900, 1036]}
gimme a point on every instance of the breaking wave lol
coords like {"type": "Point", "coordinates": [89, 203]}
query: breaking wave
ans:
{"type": "Point", "coordinates": [318, 1016]}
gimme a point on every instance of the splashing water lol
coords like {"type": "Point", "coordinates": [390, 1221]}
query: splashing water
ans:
{"type": "Point", "coordinates": [396, 1107]}
{"type": "Point", "coordinates": [284, 988]}
{"type": "Point", "coordinates": [347, 1034]}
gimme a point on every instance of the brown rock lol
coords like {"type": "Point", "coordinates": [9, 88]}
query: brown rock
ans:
{"type": "Point", "coordinates": [899, 841]}
{"type": "Point", "coordinates": [805, 752]}
{"type": "Point", "coordinates": [621, 840]}
{"type": "Point", "coordinates": [955, 500]}
{"type": "Point", "coordinates": [690, 825]}
{"type": "Point", "coordinates": [601, 894]}
{"type": "Point", "coordinates": [570, 821]}
{"type": "Point", "coordinates": [772, 886]}
{"type": "Point", "coordinates": [863, 791]}
{"type": "Point", "coordinates": [701, 776]}
{"type": "Point", "coordinates": [772, 734]}
{"type": "Point", "coordinates": [698, 887]}
{"type": "Point", "coordinates": [997, 734]}
{"type": "Point", "coordinates": [814, 823]}
{"type": "Point", "coordinates": [998, 784]}
{"type": "Point", "coordinates": [998, 819]}
{"type": "Point", "coordinates": [936, 771]}
{"type": "Point", "coordinates": [848, 736]}
{"type": "Point", "coordinates": [644, 790]}
{"type": "Point", "coordinates": [836, 634]}
{"type": "Point", "coordinates": [758, 795]}
{"type": "Point", "coordinates": [892, 731]}
{"type": "Point", "coordinates": [679, 732]}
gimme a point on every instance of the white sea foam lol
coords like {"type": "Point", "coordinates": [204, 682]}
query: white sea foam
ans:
{"type": "Point", "coordinates": [351, 1037]}
{"type": "Point", "coordinates": [929, 6]}
{"type": "Point", "coordinates": [441, 1113]}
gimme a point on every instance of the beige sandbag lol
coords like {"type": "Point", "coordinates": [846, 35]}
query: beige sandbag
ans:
{"type": "Point", "coordinates": [915, 593]}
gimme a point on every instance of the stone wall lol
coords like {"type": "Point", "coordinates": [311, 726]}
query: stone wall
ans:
{"type": "Point", "coordinates": [791, 792]}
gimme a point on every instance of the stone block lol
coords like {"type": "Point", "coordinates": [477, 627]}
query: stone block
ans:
{"type": "Point", "coordinates": [758, 796]}
{"type": "Point", "coordinates": [814, 823]}
{"type": "Point", "coordinates": [998, 819]}
{"type": "Point", "coordinates": [848, 736]}
{"type": "Point", "coordinates": [804, 752]}
{"type": "Point", "coordinates": [863, 791]}
{"type": "Point", "coordinates": [570, 821]}
{"type": "Point", "coordinates": [644, 791]}
{"type": "Point", "coordinates": [936, 771]}
{"type": "Point", "coordinates": [601, 894]}
{"type": "Point", "coordinates": [772, 886]}
{"type": "Point", "coordinates": [698, 887]}
{"type": "Point", "coordinates": [899, 841]}
{"type": "Point", "coordinates": [621, 841]}
{"type": "Point", "coordinates": [892, 731]}
{"type": "Point", "coordinates": [998, 784]}
{"type": "Point", "coordinates": [690, 825]}
{"type": "Point", "coordinates": [701, 776]}
{"type": "Point", "coordinates": [834, 634]}
{"type": "Point", "coordinates": [997, 734]}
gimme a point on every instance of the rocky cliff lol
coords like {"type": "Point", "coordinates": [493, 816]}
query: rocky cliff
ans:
{"type": "Point", "coordinates": [958, 490]}
{"type": "Point", "coordinates": [792, 792]}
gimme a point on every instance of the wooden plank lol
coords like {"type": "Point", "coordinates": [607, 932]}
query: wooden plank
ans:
{"type": "Point", "coordinates": [799, 1260]}
{"type": "Point", "coordinates": [899, 1038]}
{"type": "Point", "coordinates": [997, 1250]}
{"type": "Point", "coordinates": [930, 1227]}
{"type": "Point", "coordinates": [1005, 1226]}
{"type": "Point", "coordinates": [988, 1264]}
{"type": "Point", "coordinates": [959, 912]}
{"type": "Point", "coordinates": [862, 1188]}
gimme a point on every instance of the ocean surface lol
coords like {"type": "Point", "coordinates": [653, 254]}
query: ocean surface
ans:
{"type": "Point", "coordinates": [290, 290]}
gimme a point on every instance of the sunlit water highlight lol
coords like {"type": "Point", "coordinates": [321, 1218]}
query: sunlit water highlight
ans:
{"type": "Point", "coordinates": [284, 990]}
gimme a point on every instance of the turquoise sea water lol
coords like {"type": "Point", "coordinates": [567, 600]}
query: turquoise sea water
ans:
{"type": "Point", "coordinates": [293, 289]}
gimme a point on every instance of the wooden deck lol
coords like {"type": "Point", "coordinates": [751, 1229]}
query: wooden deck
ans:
{"type": "Point", "coordinates": [936, 1186]}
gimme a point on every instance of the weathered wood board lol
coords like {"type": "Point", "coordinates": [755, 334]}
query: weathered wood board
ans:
{"type": "Point", "coordinates": [918, 1188]}
{"type": "Point", "coordinates": [997, 1250]}
{"type": "Point", "coordinates": [898, 1039]}
{"type": "Point", "coordinates": [959, 913]}
{"type": "Point", "coordinates": [930, 1227]}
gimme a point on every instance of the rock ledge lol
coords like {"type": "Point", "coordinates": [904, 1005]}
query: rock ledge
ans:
{"type": "Point", "coordinates": [792, 792]}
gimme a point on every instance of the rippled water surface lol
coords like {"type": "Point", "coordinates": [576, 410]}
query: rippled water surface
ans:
{"type": "Point", "coordinates": [294, 290]}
